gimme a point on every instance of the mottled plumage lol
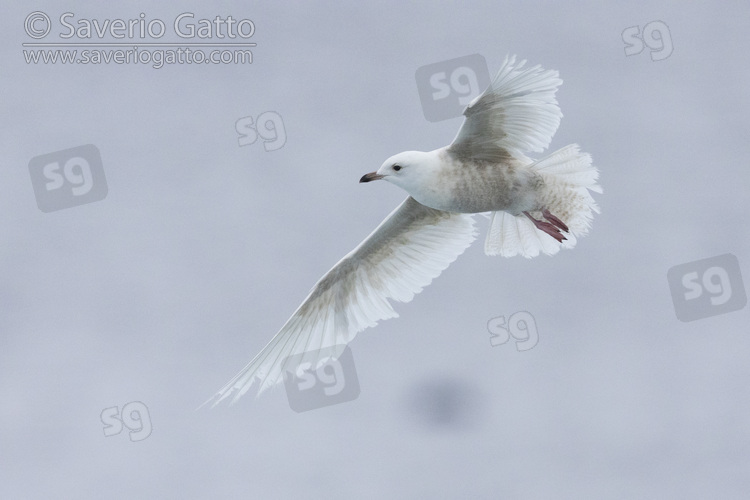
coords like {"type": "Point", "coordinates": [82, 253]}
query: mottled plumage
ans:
{"type": "Point", "coordinates": [534, 206]}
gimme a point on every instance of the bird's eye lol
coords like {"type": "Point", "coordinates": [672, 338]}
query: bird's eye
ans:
{"type": "Point", "coordinates": [396, 167]}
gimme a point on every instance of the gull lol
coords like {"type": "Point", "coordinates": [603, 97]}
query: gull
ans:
{"type": "Point", "coordinates": [534, 206]}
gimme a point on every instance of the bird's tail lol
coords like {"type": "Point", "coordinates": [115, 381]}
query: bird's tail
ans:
{"type": "Point", "coordinates": [568, 177]}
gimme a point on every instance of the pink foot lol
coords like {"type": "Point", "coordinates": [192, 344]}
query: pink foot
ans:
{"type": "Point", "coordinates": [551, 229]}
{"type": "Point", "coordinates": [554, 220]}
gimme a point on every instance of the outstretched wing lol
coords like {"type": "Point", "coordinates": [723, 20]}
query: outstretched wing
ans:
{"type": "Point", "coordinates": [404, 254]}
{"type": "Point", "coordinates": [517, 113]}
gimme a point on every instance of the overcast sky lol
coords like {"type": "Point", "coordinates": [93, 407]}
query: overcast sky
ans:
{"type": "Point", "coordinates": [193, 250]}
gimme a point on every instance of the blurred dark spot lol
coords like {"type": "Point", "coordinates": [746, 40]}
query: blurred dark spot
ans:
{"type": "Point", "coordinates": [444, 402]}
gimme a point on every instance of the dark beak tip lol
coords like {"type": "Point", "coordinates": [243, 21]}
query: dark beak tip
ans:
{"type": "Point", "coordinates": [372, 176]}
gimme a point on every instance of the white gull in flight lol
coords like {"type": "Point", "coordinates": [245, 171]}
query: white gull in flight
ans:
{"type": "Point", "coordinates": [534, 206]}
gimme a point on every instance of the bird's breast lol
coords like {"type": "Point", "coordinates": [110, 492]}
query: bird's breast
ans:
{"type": "Point", "coordinates": [483, 187]}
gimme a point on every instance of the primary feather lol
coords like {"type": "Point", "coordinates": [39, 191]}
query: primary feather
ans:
{"type": "Point", "coordinates": [410, 248]}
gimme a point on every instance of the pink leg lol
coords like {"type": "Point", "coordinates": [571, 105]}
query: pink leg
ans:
{"type": "Point", "coordinates": [554, 220]}
{"type": "Point", "coordinates": [548, 228]}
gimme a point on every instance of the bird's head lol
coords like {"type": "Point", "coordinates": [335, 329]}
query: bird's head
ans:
{"type": "Point", "coordinates": [406, 170]}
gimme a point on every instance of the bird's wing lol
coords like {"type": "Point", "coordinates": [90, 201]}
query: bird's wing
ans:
{"type": "Point", "coordinates": [517, 113]}
{"type": "Point", "coordinates": [400, 257]}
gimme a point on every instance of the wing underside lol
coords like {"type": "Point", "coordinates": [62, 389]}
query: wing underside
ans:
{"type": "Point", "coordinates": [517, 113]}
{"type": "Point", "coordinates": [410, 248]}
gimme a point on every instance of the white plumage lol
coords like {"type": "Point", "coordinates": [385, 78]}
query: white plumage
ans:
{"type": "Point", "coordinates": [398, 259]}
{"type": "Point", "coordinates": [484, 170]}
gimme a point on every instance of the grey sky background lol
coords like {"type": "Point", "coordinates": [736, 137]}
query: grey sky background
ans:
{"type": "Point", "coordinates": [202, 249]}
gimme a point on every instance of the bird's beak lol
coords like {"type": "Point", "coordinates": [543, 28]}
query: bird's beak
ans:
{"type": "Point", "coordinates": [372, 176]}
